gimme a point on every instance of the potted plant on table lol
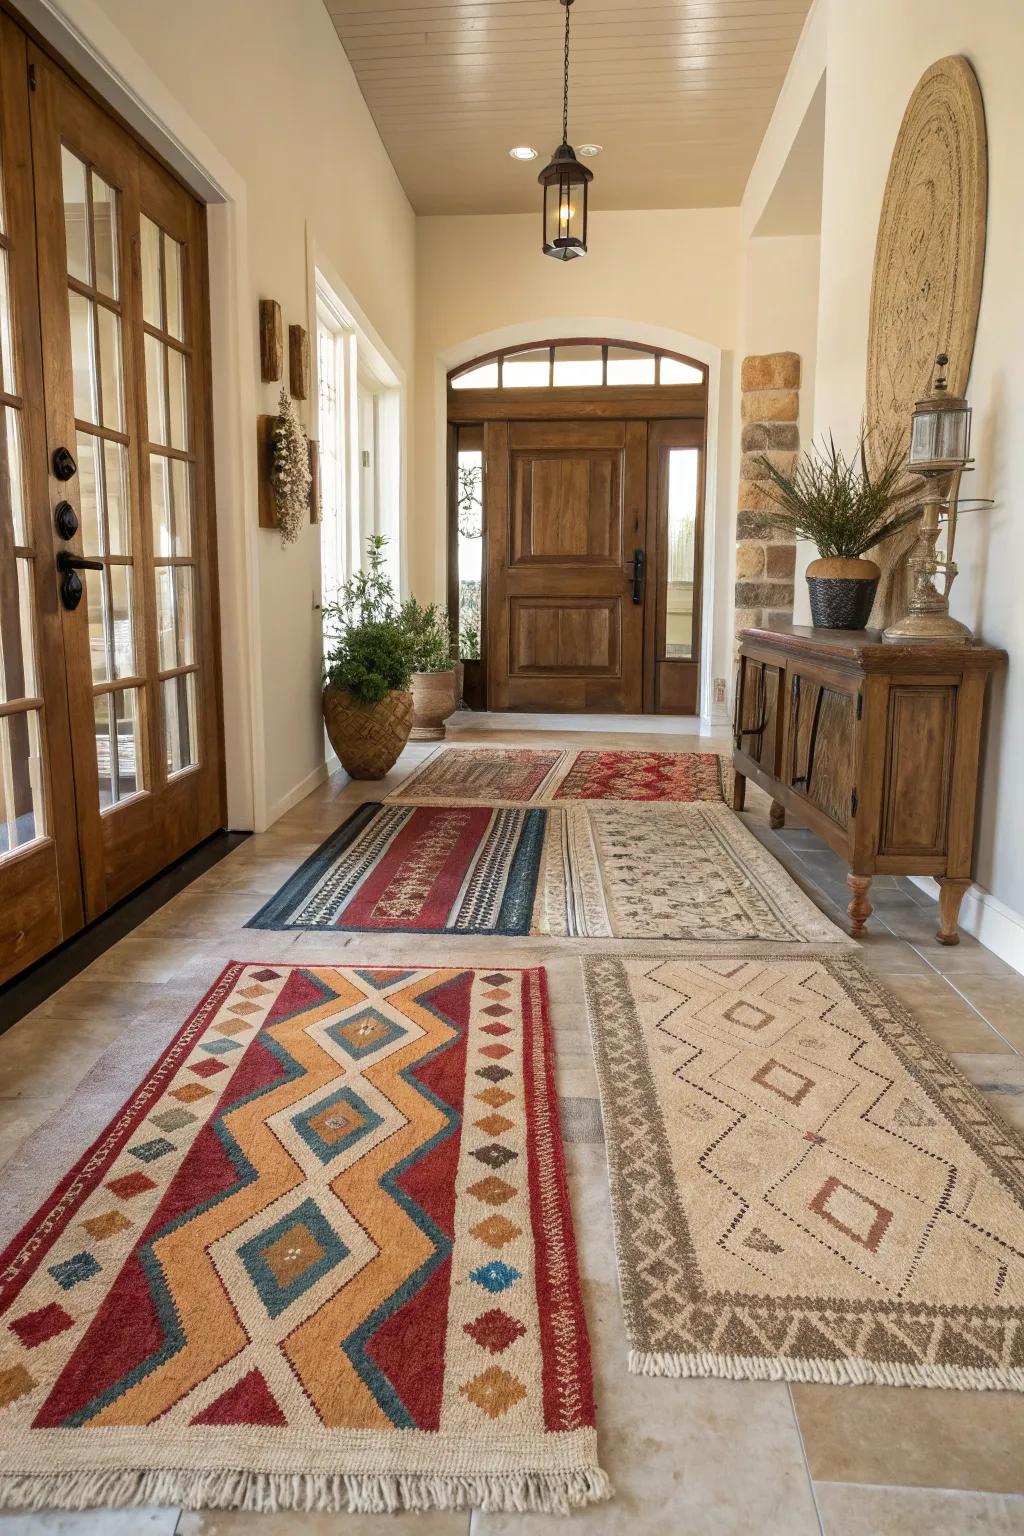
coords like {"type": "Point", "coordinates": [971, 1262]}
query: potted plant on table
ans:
{"type": "Point", "coordinates": [844, 511]}
{"type": "Point", "coordinates": [367, 701]}
{"type": "Point", "coordinates": [433, 673]}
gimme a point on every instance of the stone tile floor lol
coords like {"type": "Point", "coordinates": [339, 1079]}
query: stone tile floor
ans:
{"type": "Point", "coordinates": [709, 1457]}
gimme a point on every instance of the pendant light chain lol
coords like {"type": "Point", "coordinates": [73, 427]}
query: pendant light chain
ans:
{"type": "Point", "coordinates": [565, 87]}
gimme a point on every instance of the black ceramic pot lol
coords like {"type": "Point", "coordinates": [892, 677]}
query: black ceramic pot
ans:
{"type": "Point", "coordinates": [839, 602]}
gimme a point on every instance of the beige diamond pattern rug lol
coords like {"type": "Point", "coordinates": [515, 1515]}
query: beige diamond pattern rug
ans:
{"type": "Point", "coordinates": [803, 1186]}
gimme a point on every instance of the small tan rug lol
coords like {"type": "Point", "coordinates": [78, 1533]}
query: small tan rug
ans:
{"type": "Point", "coordinates": [690, 872]}
{"type": "Point", "coordinates": [803, 1186]}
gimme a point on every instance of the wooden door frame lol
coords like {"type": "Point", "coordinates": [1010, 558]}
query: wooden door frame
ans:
{"type": "Point", "coordinates": [683, 406]}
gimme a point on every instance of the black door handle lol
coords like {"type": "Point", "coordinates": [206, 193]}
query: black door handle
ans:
{"type": "Point", "coordinates": [69, 566]}
{"type": "Point", "coordinates": [638, 563]}
{"type": "Point", "coordinates": [66, 561]}
{"type": "Point", "coordinates": [64, 465]}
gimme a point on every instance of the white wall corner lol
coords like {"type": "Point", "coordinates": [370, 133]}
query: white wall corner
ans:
{"type": "Point", "coordinates": [803, 78]}
{"type": "Point", "coordinates": [298, 792]}
{"type": "Point", "coordinates": [988, 919]}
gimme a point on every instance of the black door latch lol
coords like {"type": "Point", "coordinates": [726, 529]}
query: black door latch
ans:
{"type": "Point", "coordinates": [638, 563]}
{"type": "Point", "coordinates": [69, 566]}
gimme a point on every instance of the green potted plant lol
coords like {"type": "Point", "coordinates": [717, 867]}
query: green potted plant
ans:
{"type": "Point", "coordinates": [844, 511]}
{"type": "Point", "coordinates": [433, 674]}
{"type": "Point", "coordinates": [367, 701]}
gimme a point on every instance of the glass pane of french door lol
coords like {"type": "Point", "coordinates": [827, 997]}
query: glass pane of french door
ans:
{"type": "Point", "coordinates": [93, 237]}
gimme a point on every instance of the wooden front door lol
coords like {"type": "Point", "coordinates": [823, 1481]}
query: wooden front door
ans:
{"type": "Point", "coordinates": [566, 511]}
{"type": "Point", "coordinates": [121, 732]}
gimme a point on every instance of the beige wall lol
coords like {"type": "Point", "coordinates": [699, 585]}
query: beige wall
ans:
{"type": "Point", "coordinates": [877, 51]}
{"type": "Point", "coordinates": [271, 90]}
{"type": "Point", "coordinates": [667, 268]}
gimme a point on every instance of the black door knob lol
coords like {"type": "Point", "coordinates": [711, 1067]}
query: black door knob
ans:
{"type": "Point", "coordinates": [66, 518]}
{"type": "Point", "coordinates": [71, 590]}
{"type": "Point", "coordinates": [64, 465]}
{"type": "Point", "coordinates": [66, 561]}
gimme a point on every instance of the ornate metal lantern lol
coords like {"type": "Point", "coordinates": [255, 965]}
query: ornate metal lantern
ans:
{"type": "Point", "coordinates": [940, 451]}
{"type": "Point", "coordinates": [565, 184]}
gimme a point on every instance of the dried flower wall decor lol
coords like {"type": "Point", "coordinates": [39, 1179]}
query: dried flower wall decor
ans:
{"type": "Point", "coordinates": [289, 470]}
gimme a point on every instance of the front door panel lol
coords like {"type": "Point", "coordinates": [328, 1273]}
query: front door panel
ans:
{"type": "Point", "coordinates": [566, 514]}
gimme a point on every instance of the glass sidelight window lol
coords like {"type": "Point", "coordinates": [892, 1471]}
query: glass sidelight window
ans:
{"type": "Point", "coordinates": [171, 471]}
{"type": "Point", "coordinates": [681, 551]}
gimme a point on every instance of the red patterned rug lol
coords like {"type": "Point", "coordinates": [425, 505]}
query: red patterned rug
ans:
{"type": "Point", "coordinates": [613, 775]}
{"type": "Point", "coordinates": [322, 1259]}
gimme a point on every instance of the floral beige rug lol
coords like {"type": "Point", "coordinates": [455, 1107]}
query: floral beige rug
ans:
{"type": "Point", "coordinates": [803, 1187]}
{"type": "Point", "coordinates": [322, 1259]}
{"type": "Point", "coordinates": [691, 872]}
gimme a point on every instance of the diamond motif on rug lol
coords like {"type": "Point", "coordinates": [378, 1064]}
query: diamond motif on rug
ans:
{"type": "Point", "coordinates": [291, 1255]}
{"type": "Point", "coordinates": [494, 1390]}
{"type": "Point", "coordinates": [495, 1330]}
{"type": "Point", "coordinates": [366, 1032]}
{"type": "Point", "coordinates": [496, 1276]}
{"type": "Point", "coordinates": [332, 1126]}
{"type": "Point", "coordinates": [496, 1231]}
{"type": "Point", "coordinates": [492, 1190]}
{"type": "Point", "coordinates": [36, 1328]}
{"type": "Point", "coordinates": [495, 1155]}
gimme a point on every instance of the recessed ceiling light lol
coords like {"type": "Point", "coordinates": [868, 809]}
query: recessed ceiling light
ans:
{"type": "Point", "coordinates": [587, 150]}
{"type": "Point", "coordinates": [523, 152]}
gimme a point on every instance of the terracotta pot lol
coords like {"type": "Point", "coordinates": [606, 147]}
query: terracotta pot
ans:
{"type": "Point", "coordinates": [367, 737]}
{"type": "Point", "coordinates": [842, 592]}
{"type": "Point", "coordinates": [433, 700]}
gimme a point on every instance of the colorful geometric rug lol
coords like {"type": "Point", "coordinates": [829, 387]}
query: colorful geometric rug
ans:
{"type": "Point", "coordinates": [803, 1187]}
{"type": "Point", "coordinates": [417, 869]}
{"type": "Point", "coordinates": [322, 1259]}
{"type": "Point", "coordinates": [529, 775]}
{"type": "Point", "coordinates": [690, 872]}
{"type": "Point", "coordinates": [643, 776]}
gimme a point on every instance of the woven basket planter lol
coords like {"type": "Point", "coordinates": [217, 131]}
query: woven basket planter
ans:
{"type": "Point", "coordinates": [434, 697]}
{"type": "Point", "coordinates": [367, 737]}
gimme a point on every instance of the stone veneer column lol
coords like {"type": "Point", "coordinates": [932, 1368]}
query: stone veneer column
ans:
{"type": "Point", "coordinates": [765, 563]}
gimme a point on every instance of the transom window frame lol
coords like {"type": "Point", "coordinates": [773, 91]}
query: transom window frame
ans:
{"type": "Point", "coordinates": [530, 349]}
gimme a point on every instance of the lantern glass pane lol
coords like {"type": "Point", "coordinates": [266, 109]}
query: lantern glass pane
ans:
{"type": "Point", "coordinates": [940, 437]}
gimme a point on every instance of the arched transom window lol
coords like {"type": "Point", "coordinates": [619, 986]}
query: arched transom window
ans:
{"type": "Point", "coordinates": [577, 364]}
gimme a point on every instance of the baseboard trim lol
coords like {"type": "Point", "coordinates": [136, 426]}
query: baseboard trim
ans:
{"type": "Point", "coordinates": [305, 787]}
{"type": "Point", "coordinates": [990, 920]}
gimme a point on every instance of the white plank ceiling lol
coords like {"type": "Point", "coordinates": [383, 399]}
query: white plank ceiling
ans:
{"type": "Point", "coordinates": [678, 92]}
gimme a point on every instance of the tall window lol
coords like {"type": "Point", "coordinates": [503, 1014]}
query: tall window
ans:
{"type": "Point", "coordinates": [360, 444]}
{"type": "Point", "coordinates": [331, 376]}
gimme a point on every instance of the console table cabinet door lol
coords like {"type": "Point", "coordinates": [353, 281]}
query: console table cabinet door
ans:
{"type": "Point", "coordinates": [821, 745]}
{"type": "Point", "coordinates": [920, 737]}
{"type": "Point", "coordinates": [761, 712]}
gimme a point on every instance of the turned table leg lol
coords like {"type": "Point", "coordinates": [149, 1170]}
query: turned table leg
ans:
{"type": "Point", "coordinates": [860, 908]}
{"type": "Point", "coordinates": [776, 815]}
{"type": "Point", "coordinates": [739, 791]}
{"type": "Point", "coordinates": [951, 894]}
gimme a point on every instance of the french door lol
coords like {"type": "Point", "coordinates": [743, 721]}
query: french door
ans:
{"type": "Point", "coordinates": [110, 722]}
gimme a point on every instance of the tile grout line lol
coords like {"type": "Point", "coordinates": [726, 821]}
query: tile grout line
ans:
{"type": "Point", "coordinates": [803, 1458]}
{"type": "Point", "coordinates": [967, 1493]}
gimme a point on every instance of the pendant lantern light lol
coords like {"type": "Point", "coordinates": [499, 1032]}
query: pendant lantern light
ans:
{"type": "Point", "coordinates": [565, 184]}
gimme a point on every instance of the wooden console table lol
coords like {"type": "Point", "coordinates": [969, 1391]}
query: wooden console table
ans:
{"type": "Point", "coordinates": [875, 747]}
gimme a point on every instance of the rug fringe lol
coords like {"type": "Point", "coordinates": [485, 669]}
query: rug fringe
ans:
{"type": "Point", "coordinates": [549, 1493]}
{"type": "Point", "coordinates": [831, 1372]}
